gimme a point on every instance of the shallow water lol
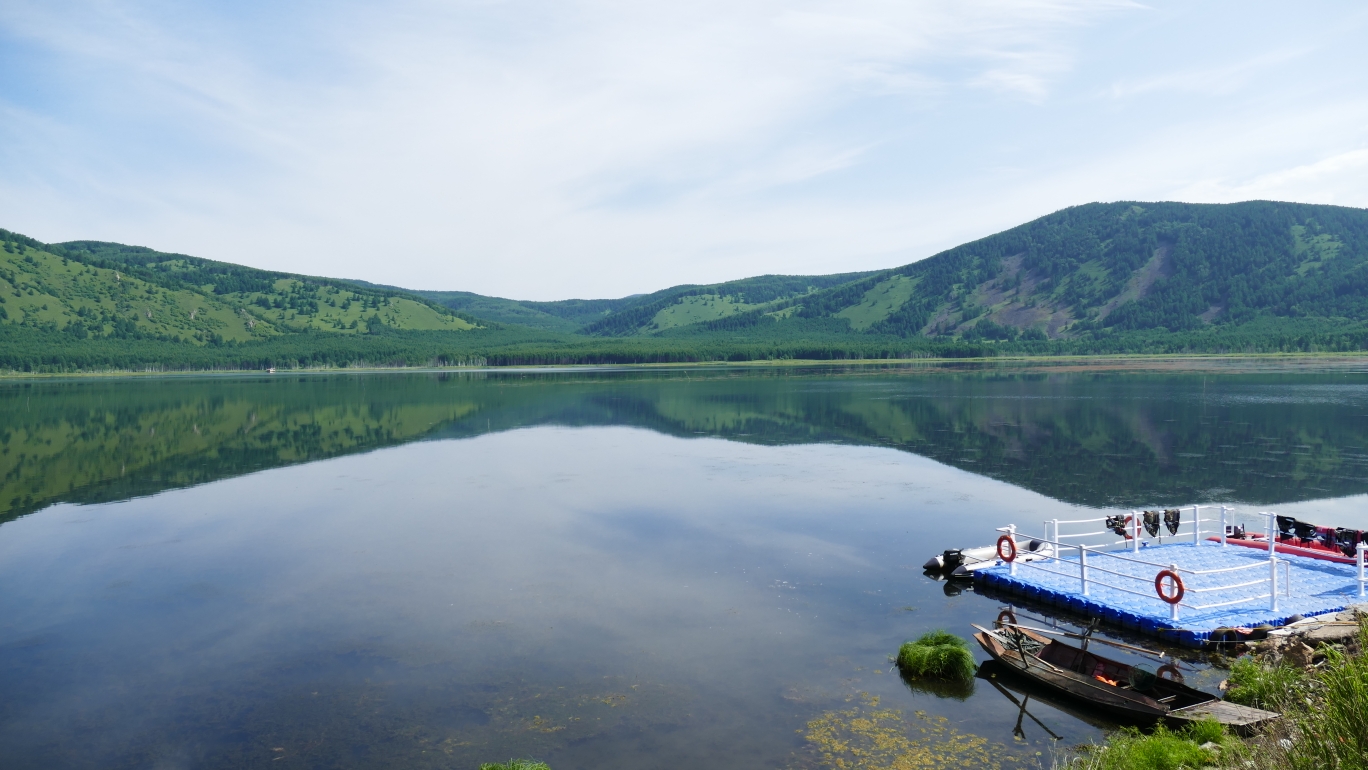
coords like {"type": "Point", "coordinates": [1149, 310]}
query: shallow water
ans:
{"type": "Point", "coordinates": [613, 569]}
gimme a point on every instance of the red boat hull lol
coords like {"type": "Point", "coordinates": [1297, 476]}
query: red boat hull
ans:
{"type": "Point", "coordinates": [1313, 550]}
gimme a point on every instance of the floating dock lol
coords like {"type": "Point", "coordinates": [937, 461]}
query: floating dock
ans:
{"type": "Point", "coordinates": [1205, 585]}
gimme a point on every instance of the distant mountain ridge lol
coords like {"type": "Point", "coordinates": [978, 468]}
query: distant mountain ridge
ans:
{"type": "Point", "coordinates": [1098, 268]}
{"type": "Point", "coordinates": [1095, 277]}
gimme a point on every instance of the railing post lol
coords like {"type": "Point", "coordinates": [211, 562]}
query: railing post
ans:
{"type": "Point", "coordinates": [1083, 567]}
{"type": "Point", "coordinates": [1173, 608]}
{"type": "Point", "coordinates": [1011, 533]}
{"type": "Point", "coordinates": [1272, 530]}
{"type": "Point", "coordinates": [1196, 525]}
{"type": "Point", "coordinates": [1362, 549]}
{"type": "Point", "coordinates": [1273, 584]}
{"type": "Point", "coordinates": [1223, 526]}
{"type": "Point", "coordinates": [1135, 525]}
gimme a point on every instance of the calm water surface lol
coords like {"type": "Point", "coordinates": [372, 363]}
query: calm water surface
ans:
{"type": "Point", "coordinates": [613, 569]}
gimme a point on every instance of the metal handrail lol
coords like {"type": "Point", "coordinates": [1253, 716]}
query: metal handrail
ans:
{"type": "Point", "coordinates": [1133, 524]}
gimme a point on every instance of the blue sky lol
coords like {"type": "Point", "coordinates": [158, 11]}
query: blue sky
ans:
{"type": "Point", "coordinates": [546, 150]}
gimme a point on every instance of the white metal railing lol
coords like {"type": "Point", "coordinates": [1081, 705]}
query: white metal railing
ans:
{"type": "Point", "coordinates": [1270, 534]}
{"type": "Point", "coordinates": [1090, 571]}
{"type": "Point", "coordinates": [1191, 530]}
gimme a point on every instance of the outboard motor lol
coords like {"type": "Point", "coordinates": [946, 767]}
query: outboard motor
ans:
{"type": "Point", "coordinates": [1235, 532]}
{"type": "Point", "coordinates": [945, 562]}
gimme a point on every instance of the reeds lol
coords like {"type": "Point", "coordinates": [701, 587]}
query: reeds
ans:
{"type": "Point", "coordinates": [1332, 729]}
{"type": "Point", "coordinates": [938, 654]}
{"type": "Point", "coordinates": [516, 764]}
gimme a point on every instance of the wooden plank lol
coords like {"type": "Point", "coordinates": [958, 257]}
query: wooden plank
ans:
{"type": "Point", "coordinates": [1242, 718]}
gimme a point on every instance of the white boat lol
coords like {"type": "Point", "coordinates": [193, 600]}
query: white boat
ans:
{"type": "Point", "coordinates": [962, 562]}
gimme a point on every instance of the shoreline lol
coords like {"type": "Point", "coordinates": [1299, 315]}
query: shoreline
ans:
{"type": "Point", "coordinates": [1174, 362]}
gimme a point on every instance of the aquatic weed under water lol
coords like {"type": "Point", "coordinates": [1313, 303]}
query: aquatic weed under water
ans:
{"type": "Point", "coordinates": [938, 654]}
{"type": "Point", "coordinates": [866, 737]}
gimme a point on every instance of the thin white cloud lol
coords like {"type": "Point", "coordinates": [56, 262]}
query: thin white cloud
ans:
{"type": "Point", "coordinates": [593, 148]}
{"type": "Point", "coordinates": [1329, 180]}
{"type": "Point", "coordinates": [1220, 80]}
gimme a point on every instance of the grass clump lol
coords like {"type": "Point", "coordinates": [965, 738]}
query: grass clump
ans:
{"type": "Point", "coordinates": [938, 654]}
{"type": "Point", "coordinates": [1163, 749]}
{"type": "Point", "coordinates": [1263, 686]}
{"type": "Point", "coordinates": [516, 764]}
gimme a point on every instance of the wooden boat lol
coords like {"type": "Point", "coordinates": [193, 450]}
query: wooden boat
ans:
{"type": "Point", "coordinates": [1122, 692]}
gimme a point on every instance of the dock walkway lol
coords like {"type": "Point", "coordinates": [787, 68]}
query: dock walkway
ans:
{"type": "Point", "coordinates": [1117, 580]}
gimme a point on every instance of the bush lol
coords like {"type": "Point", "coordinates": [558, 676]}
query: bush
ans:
{"type": "Point", "coordinates": [937, 654]}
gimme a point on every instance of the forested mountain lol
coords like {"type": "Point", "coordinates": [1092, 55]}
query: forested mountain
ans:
{"type": "Point", "coordinates": [1087, 271]}
{"type": "Point", "coordinates": [675, 307]}
{"type": "Point", "coordinates": [89, 289]}
{"type": "Point", "coordinates": [1113, 277]}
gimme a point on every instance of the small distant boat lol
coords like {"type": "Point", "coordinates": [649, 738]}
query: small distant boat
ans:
{"type": "Point", "coordinates": [1125, 693]}
{"type": "Point", "coordinates": [962, 562]}
{"type": "Point", "coordinates": [1299, 538]}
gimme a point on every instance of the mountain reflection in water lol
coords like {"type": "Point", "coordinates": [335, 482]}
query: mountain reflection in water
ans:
{"type": "Point", "coordinates": [1082, 438]}
{"type": "Point", "coordinates": [701, 568]}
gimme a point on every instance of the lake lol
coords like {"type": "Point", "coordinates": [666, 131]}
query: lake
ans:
{"type": "Point", "coordinates": [671, 568]}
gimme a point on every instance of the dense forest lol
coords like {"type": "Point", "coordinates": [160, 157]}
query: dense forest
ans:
{"type": "Point", "coordinates": [1099, 278]}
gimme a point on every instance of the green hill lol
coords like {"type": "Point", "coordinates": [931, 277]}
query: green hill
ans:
{"type": "Point", "coordinates": [669, 308]}
{"type": "Point", "coordinates": [90, 289]}
{"type": "Point", "coordinates": [1085, 272]}
{"type": "Point", "coordinates": [1113, 277]}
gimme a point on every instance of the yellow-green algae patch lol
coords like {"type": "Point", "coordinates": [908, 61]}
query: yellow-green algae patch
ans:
{"type": "Point", "coordinates": [867, 737]}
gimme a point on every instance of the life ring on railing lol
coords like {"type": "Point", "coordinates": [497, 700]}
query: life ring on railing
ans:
{"type": "Point", "coordinates": [1170, 672]}
{"type": "Point", "coordinates": [1176, 583]}
{"type": "Point", "coordinates": [1010, 554]}
{"type": "Point", "coordinates": [1006, 618]}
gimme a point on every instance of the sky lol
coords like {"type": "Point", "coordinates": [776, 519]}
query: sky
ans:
{"type": "Point", "coordinates": [549, 150]}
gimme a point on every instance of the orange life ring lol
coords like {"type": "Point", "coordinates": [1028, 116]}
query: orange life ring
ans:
{"type": "Point", "coordinates": [1174, 675]}
{"type": "Point", "coordinates": [1177, 595]}
{"type": "Point", "coordinates": [1010, 554]}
